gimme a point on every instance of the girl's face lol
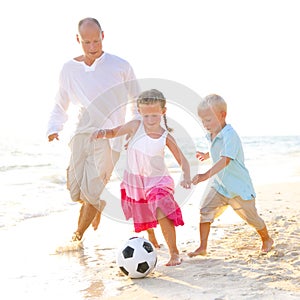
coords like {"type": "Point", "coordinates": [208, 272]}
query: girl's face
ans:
{"type": "Point", "coordinates": [213, 120]}
{"type": "Point", "coordinates": [151, 114]}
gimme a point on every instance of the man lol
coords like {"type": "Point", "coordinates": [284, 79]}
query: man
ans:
{"type": "Point", "coordinates": [102, 85]}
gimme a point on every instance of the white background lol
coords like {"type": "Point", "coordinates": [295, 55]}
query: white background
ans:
{"type": "Point", "coordinates": [246, 51]}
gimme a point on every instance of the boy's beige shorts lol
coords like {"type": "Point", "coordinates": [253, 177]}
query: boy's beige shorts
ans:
{"type": "Point", "coordinates": [90, 168]}
{"type": "Point", "coordinates": [213, 204]}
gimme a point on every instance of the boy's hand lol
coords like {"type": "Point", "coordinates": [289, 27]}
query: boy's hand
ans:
{"type": "Point", "coordinates": [202, 156]}
{"type": "Point", "coordinates": [199, 178]}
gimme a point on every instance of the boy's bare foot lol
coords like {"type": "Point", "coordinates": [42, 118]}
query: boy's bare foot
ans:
{"type": "Point", "coordinates": [175, 260]}
{"type": "Point", "coordinates": [267, 245]}
{"type": "Point", "coordinates": [197, 252]}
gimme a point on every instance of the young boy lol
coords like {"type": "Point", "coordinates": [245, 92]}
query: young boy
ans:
{"type": "Point", "coordinates": [231, 184]}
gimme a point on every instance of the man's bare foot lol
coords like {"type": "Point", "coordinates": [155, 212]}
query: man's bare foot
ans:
{"type": "Point", "coordinates": [74, 245]}
{"type": "Point", "coordinates": [267, 245]}
{"type": "Point", "coordinates": [96, 220]}
{"type": "Point", "coordinates": [76, 237]}
{"type": "Point", "coordinates": [175, 260]}
{"type": "Point", "coordinates": [197, 252]}
{"type": "Point", "coordinates": [152, 238]}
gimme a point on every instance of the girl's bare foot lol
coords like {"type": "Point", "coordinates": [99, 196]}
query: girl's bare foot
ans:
{"type": "Point", "coordinates": [267, 246]}
{"type": "Point", "coordinates": [198, 251]}
{"type": "Point", "coordinates": [175, 260]}
{"type": "Point", "coordinates": [152, 238]}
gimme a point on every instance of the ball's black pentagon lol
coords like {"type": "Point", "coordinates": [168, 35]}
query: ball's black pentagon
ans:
{"type": "Point", "coordinates": [148, 247]}
{"type": "Point", "coordinates": [142, 267]}
{"type": "Point", "coordinates": [128, 252]}
{"type": "Point", "coordinates": [124, 271]}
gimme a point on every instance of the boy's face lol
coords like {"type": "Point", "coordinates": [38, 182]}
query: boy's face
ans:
{"type": "Point", "coordinates": [213, 120]}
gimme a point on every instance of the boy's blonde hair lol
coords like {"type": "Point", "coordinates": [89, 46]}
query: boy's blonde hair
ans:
{"type": "Point", "coordinates": [151, 97]}
{"type": "Point", "coordinates": [213, 101]}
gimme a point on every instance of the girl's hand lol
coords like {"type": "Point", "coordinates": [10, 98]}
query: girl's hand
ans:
{"type": "Point", "coordinates": [186, 183]}
{"type": "Point", "coordinates": [128, 137]}
{"type": "Point", "coordinates": [202, 156]}
{"type": "Point", "coordinates": [94, 136]}
{"type": "Point", "coordinates": [199, 178]}
{"type": "Point", "coordinates": [99, 134]}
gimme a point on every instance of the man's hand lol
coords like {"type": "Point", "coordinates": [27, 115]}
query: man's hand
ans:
{"type": "Point", "coordinates": [53, 136]}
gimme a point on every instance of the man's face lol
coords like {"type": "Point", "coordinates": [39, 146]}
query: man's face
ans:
{"type": "Point", "coordinates": [90, 38]}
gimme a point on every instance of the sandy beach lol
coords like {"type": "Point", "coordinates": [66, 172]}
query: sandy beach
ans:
{"type": "Point", "coordinates": [248, 52]}
{"type": "Point", "coordinates": [233, 268]}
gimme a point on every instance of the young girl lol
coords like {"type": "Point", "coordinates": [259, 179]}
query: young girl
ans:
{"type": "Point", "coordinates": [147, 188]}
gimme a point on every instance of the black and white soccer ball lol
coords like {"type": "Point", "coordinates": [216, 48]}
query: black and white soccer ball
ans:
{"type": "Point", "coordinates": [137, 257]}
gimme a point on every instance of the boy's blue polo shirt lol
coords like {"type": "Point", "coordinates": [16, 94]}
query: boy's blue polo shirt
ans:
{"type": "Point", "coordinates": [234, 180]}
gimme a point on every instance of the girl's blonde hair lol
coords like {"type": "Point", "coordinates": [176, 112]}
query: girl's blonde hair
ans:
{"type": "Point", "coordinates": [213, 101]}
{"type": "Point", "coordinates": [151, 97]}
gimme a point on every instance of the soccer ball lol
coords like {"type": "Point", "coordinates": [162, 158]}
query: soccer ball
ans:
{"type": "Point", "coordinates": [137, 257]}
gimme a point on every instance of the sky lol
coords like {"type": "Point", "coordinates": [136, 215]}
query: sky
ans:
{"type": "Point", "coordinates": [245, 51]}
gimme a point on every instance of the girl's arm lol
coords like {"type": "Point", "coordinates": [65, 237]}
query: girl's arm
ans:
{"type": "Point", "coordinates": [216, 168]}
{"type": "Point", "coordinates": [181, 159]}
{"type": "Point", "coordinates": [127, 128]}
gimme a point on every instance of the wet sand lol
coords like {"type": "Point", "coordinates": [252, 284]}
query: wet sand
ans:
{"type": "Point", "coordinates": [233, 268]}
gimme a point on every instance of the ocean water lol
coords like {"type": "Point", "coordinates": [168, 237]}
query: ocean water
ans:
{"type": "Point", "coordinates": [33, 182]}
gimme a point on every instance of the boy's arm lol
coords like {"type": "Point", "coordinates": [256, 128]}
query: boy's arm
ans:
{"type": "Point", "coordinates": [216, 168]}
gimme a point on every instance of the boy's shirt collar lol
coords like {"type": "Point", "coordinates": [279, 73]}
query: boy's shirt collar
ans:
{"type": "Point", "coordinates": [220, 134]}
